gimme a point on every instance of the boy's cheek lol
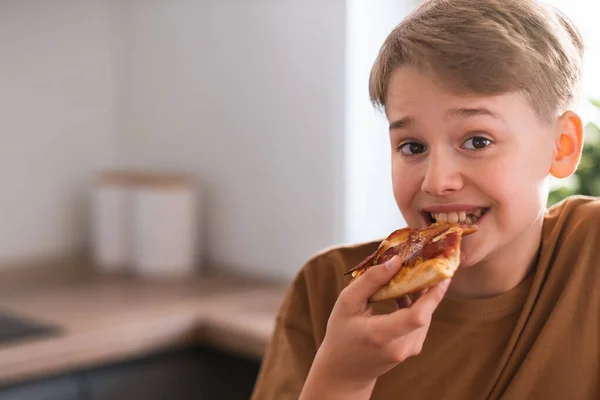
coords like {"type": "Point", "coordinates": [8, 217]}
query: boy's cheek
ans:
{"type": "Point", "coordinates": [404, 188]}
{"type": "Point", "coordinates": [521, 181]}
{"type": "Point", "coordinates": [509, 175]}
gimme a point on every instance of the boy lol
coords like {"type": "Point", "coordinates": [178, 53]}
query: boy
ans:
{"type": "Point", "coordinates": [478, 96]}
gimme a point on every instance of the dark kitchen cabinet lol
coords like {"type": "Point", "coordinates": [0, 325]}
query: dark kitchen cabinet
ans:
{"type": "Point", "coordinates": [197, 373]}
{"type": "Point", "coordinates": [59, 388]}
{"type": "Point", "coordinates": [194, 373]}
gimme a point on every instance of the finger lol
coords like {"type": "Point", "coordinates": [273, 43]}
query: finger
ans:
{"type": "Point", "coordinates": [403, 302]}
{"type": "Point", "coordinates": [415, 296]}
{"type": "Point", "coordinates": [404, 321]}
{"type": "Point", "coordinates": [429, 301]}
{"type": "Point", "coordinates": [409, 345]}
{"type": "Point", "coordinates": [357, 294]}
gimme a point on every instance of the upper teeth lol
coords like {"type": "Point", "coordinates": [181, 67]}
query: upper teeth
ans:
{"type": "Point", "coordinates": [458, 216]}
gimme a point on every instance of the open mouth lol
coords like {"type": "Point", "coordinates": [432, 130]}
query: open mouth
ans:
{"type": "Point", "coordinates": [467, 217]}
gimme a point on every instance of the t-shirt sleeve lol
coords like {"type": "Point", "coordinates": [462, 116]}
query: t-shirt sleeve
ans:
{"type": "Point", "coordinates": [291, 350]}
{"type": "Point", "coordinates": [302, 319]}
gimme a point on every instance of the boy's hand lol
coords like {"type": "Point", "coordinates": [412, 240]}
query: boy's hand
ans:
{"type": "Point", "coordinates": [358, 346]}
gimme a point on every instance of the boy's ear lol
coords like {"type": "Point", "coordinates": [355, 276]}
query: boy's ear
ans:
{"type": "Point", "coordinates": [568, 147]}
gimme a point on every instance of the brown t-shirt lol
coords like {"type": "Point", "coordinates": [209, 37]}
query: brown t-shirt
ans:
{"type": "Point", "coordinates": [537, 341]}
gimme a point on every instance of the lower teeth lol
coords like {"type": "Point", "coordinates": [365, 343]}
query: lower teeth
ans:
{"type": "Point", "coordinates": [471, 219]}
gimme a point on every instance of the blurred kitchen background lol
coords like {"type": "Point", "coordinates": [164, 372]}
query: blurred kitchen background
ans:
{"type": "Point", "coordinates": [168, 166]}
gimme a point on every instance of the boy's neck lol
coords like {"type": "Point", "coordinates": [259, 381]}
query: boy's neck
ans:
{"type": "Point", "coordinates": [503, 270]}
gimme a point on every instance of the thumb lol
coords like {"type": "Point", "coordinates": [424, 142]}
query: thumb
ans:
{"type": "Point", "coordinates": [366, 285]}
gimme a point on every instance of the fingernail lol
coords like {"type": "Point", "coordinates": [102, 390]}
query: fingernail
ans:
{"type": "Point", "coordinates": [390, 263]}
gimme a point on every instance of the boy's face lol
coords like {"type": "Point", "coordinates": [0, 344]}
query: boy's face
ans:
{"type": "Point", "coordinates": [482, 160]}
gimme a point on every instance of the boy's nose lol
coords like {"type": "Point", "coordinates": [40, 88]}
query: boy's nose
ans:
{"type": "Point", "coordinates": [441, 177]}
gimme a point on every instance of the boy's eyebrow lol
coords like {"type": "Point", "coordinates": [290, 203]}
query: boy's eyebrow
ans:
{"type": "Point", "coordinates": [401, 123]}
{"type": "Point", "coordinates": [461, 113]}
{"type": "Point", "coordinates": [471, 112]}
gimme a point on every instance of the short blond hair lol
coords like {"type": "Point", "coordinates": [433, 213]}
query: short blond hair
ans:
{"type": "Point", "coordinates": [487, 47]}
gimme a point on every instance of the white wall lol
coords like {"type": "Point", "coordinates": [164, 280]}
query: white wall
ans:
{"type": "Point", "coordinates": [56, 124]}
{"type": "Point", "coordinates": [250, 96]}
{"type": "Point", "coordinates": [371, 210]}
{"type": "Point", "coordinates": [584, 15]}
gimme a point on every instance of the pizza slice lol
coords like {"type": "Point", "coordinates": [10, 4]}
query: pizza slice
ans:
{"type": "Point", "coordinates": [430, 255]}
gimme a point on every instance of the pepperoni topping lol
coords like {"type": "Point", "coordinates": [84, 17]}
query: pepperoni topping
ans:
{"type": "Point", "coordinates": [442, 248]}
{"type": "Point", "coordinates": [405, 250]}
{"type": "Point", "coordinates": [410, 249]}
{"type": "Point", "coordinates": [415, 248]}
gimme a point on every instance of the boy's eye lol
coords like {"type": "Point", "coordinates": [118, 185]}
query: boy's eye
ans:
{"type": "Point", "coordinates": [476, 143]}
{"type": "Point", "coordinates": [412, 148]}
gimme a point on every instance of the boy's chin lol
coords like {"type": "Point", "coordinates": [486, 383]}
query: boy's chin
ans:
{"type": "Point", "coordinates": [473, 250]}
{"type": "Point", "coordinates": [466, 261]}
{"type": "Point", "coordinates": [469, 257]}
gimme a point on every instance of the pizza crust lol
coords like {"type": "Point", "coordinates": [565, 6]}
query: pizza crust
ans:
{"type": "Point", "coordinates": [413, 279]}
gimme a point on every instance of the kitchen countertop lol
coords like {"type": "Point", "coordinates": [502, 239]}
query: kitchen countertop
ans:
{"type": "Point", "coordinates": [105, 318]}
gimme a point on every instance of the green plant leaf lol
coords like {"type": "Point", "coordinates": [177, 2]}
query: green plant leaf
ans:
{"type": "Point", "coordinates": [595, 102]}
{"type": "Point", "coordinates": [559, 194]}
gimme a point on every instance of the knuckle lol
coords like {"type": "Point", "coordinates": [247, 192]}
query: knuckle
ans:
{"type": "Point", "coordinates": [401, 355]}
{"type": "Point", "coordinates": [378, 340]}
{"type": "Point", "coordinates": [420, 319]}
{"type": "Point", "coordinates": [343, 301]}
{"type": "Point", "coordinates": [418, 348]}
{"type": "Point", "coordinates": [405, 352]}
{"type": "Point", "coordinates": [345, 297]}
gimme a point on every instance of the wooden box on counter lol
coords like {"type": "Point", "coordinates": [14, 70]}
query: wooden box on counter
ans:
{"type": "Point", "coordinates": [147, 223]}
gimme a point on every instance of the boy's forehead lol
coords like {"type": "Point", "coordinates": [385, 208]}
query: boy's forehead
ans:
{"type": "Point", "coordinates": [415, 94]}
